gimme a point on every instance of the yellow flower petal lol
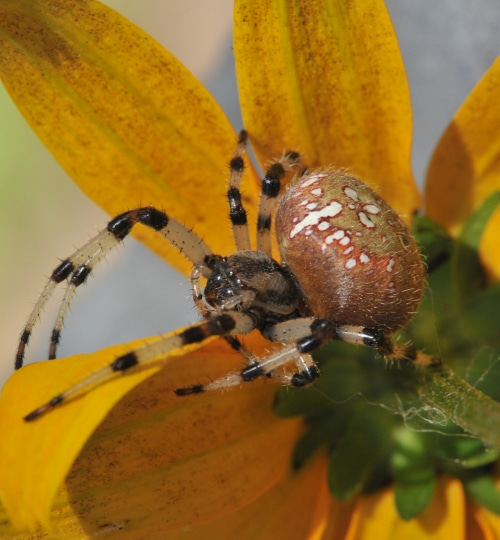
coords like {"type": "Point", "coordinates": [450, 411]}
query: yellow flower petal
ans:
{"type": "Point", "coordinates": [36, 456]}
{"type": "Point", "coordinates": [375, 516]}
{"type": "Point", "coordinates": [465, 167]}
{"type": "Point", "coordinates": [488, 523]}
{"type": "Point", "coordinates": [180, 462]}
{"type": "Point", "coordinates": [287, 510]}
{"type": "Point", "coordinates": [126, 120]}
{"type": "Point", "coordinates": [338, 520]}
{"type": "Point", "coordinates": [7, 530]}
{"type": "Point", "coordinates": [326, 78]}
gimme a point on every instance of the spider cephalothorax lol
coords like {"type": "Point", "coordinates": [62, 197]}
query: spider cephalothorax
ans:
{"type": "Point", "coordinates": [252, 278]}
{"type": "Point", "coordinates": [350, 271]}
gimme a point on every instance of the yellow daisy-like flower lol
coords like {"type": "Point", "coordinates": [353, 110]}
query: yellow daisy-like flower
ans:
{"type": "Point", "coordinates": [132, 126]}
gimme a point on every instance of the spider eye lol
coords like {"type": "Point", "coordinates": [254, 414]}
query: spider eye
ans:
{"type": "Point", "coordinates": [218, 289]}
{"type": "Point", "coordinates": [226, 292]}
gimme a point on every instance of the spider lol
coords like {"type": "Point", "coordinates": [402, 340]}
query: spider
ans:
{"type": "Point", "coordinates": [350, 271]}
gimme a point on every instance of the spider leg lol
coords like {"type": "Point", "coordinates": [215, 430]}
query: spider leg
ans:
{"type": "Point", "coordinates": [308, 334]}
{"type": "Point", "coordinates": [153, 353]}
{"type": "Point", "coordinates": [373, 337]}
{"type": "Point", "coordinates": [75, 269]}
{"type": "Point", "coordinates": [197, 293]}
{"type": "Point", "coordinates": [236, 344]}
{"type": "Point", "coordinates": [265, 367]}
{"type": "Point", "coordinates": [271, 186]}
{"type": "Point", "coordinates": [237, 214]}
{"type": "Point", "coordinates": [356, 335]}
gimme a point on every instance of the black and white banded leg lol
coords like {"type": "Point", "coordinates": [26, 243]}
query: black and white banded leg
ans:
{"type": "Point", "coordinates": [271, 187]}
{"type": "Point", "coordinates": [321, 330]}
{"type": "Point", "coordinates": [75, 269]}
{"type": "Point", "coordinates": [237, 213]}
{"type": "Point", "coordinates": [152, 353]}
{"type": "Point", "coordinates": [303, 336]}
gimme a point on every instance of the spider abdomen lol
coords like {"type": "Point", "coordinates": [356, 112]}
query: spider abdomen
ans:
{"type": "Point", "coordinates": [353, 257]}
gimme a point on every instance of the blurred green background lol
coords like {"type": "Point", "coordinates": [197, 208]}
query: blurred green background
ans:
{"type": "Point", "coordinates": [446, 45]}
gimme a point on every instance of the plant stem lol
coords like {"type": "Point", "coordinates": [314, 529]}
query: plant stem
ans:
{"type": "Point", "coordinates": [464, 405]}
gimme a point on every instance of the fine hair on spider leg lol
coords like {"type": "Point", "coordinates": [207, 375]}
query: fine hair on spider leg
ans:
{"type": "Point", "coordinates": [350, 270]}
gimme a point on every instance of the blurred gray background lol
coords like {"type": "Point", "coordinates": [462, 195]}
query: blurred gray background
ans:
{"type": "Point", "coordinates": [446, 45]}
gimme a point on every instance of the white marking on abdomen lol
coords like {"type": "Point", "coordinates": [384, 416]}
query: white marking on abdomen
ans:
{"type": "Point", "coordinates": [365, 220]}
{"type": "Point", "coordinates": [313, 218]}
{"type": "Point", "coordinates": [371, 209]}
{"type": "Point", "coordinates": [351, 193]}
{"type": "Point", "coordinates": [312, 179]}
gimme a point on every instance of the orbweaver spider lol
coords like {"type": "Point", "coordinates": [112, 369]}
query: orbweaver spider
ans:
{"type": "Point", "coordinates": [351, 271]}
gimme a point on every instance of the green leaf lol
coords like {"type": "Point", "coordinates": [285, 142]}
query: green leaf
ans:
{"type": "Point", "coordinates": [480, 313]}
{"type": "Point", "coordinates": [468, 272]}
{"type": "Point", "coordinates": [308, 402]}
{"type": "Point", "coordinates": [324, 430]}
{"type": "Point", "coordinates": [473, 228]}
{"type": "Point", "coordinates": [483, 490]}
{"type": "Point", "coordinates": [360, 461]}
{"type": "Point", "coordinates": [414, 469]}
{"type": "Point", "coordinates": [346, 370]}
{"type": "Point", "coordinates": [433, 240]}
{"type": "Point", "coordinates": [472, 453]}
{"type": "Point", "coordinates": [412, 497]}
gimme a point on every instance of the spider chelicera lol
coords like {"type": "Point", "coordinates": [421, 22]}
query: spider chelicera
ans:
{"type": "Point", "coordinates": [350, 271]}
